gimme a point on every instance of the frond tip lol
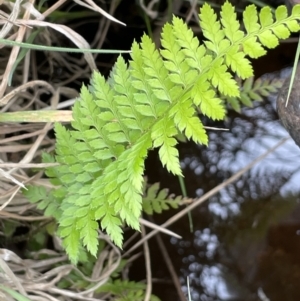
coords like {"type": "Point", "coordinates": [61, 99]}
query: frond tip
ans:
{"type": "Point", "coordinates": [144, 105]}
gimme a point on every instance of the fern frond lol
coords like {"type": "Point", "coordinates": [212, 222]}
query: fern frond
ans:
{"type": "Point", "coordinates": [155, 200]}
{"type": "Point", "coordinates": [124, 290]}
{"type": "Point", "coordinates": [49, 202]}
{"type": "Point", "coordinates": [180, 72]}
{"type": "Point", "coordinates": [255, 91]}
{"type": "Point", "coordinates": [268, 32]}
{"type": "Point", "coordinates": [147, 104]}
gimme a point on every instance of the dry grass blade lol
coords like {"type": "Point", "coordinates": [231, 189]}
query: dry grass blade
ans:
{"type": "Point", "coordinates": [39, 279]}
{"type": "Point", "coordinates": [72, 35]}
{"type": "Point", "coordinates": [11, 197]}
{"type": "Point", "coordinates": [9, 275]}
{"type": "Point", "coordinates": [53, 8]}
{"type": "Point", "coordinates": [11, 18]}
{"type": "Point", "coordinates": [159, 228]}
{"type": "Point", "coordinates": [6, 175]}
{"type": "Point", "coordinates": [28, 165]}
{"type": "Point", "coordinates": [37, 116]}
{"type": "Point", "coordinates": [14, 54]}
{"type": "Point", "coordinates": [4, 100]}
{"type": "Point", "coordinates": [91, 5]}
{"type": "Point", "coordinates": [33, 11]}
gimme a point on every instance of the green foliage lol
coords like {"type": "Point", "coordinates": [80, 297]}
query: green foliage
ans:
{"type": "Point", "coordinates": [157, 201]}
{"type": "Point", "coordinates": [252, 90]}
{"type": "Point", "coordinates": [144, 105]}
{"type": "Point", "coordinates": [126, 290]}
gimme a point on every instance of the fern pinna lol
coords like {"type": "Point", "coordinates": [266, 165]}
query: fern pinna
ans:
{"type": "Point", "coordinates": [144, 105]}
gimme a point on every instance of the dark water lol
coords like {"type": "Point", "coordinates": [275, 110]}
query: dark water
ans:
{"type": "Point", "coordinates": [246, 239]}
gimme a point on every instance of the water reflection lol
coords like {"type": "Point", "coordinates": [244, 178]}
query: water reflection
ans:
{"type": "Point", "coordinates": [246, 242]}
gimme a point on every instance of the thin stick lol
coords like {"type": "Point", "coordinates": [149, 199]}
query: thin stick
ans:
{"type": "Point", "coordinates": [170, 267]}
{"type": "Point", "coordinates": [148, 267]}
{"type": "Point", "coordinates": [159, 228]}
{"type": "Point", "coordinates": [28, 165]}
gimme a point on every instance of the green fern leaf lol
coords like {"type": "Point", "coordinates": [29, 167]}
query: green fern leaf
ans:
{"type": "Point", "coordinates": [268, 39]}
{"type": "Point", "coordinates": [281, 31]}
{"type": "Point", "coordinates": [147, 104]}
{"type": "Point", "coordinates": [255, 90]}
{"type": "Point", "coordinates": [144, 94]}
{"type": "Point", "coordinates": [250, 19]}
{"type": "Point", "coordinates": [238, 63]}
{"type": "Point", "coordinates": [195, 54]}
{"type": "Point", "coordinates": [35, 194]}
{"type": "Point", "coordinates": [187, 122]}
{"type": "Point", "coordinates": [212, 30]}
{"type": "Point", "coordinates": [253, 48]}
{"type": "Point", "coordinates": [135, 161]}
{"type": "Point", "coordinates": [155, 200]}
{"type": "Point", "coordinates": [265, 16]}
{"type": "Point", "coordinates": [124, 290]}
{"type": "Point", "coordinates": [231, 25]}
{"type": "Point", "coordinates": [204, 97]}
{"type": "Point", "coordinates": [159, 81]}
{"type": "Point", "coordinates": [234, 103]}
{"type": "Point", "coordinates": [222, 79]}
{"type": "Point", "coordinates": [88, 231]}
{"type": "Point", "coordinates": [110, 223]}
{"type": "Point", "coordinates": [162, 135]}
{"type": "Point", "coordinates": [71, 240]}
{"type": "Point", "coordinates": [281, 13]}
{"type": "Point", "coordinates": [296, 11]}
{"type": "Point", "coordinates": [121, 287]}
{"type": "Point", "coordinates": [180, 71]}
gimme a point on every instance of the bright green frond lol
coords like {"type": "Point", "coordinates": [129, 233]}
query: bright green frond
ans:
{"type": "Point", "coordinates": [144, 95]}
{"type": "Point", "coordinates": [266, 16]}
{"type": "Point", "coordinates": [71, 240]}
{"type": "Point", "coordinates": [156, 71]}
{"type": "Point", "coordinates": [89, 231]}
{"type": "Point", "coordinates": [136, 161]}
{"type": "Point", "coordinates": [212, 30]}
{"type": "Point", "coordinates": [222, 79]}
{"type": "Point", "coordinates": [268, 39]}
{"type": "Point", "coordinates": [147, 103]}
{"type": "Point", "coordinates": [111, 223]}
{"type": "Point", "coordinates": [180, 72]}
{"type": "Point", "coordinates": [238, 63]}
{"type": "Point", "coordinates": [281, 13]}
{"type": "Point", "coordinates": [204, 97]}
{"type": "Point", "coordinates": [231, 25]}
{"type": "Point", "coordinates": [194, 53]}
{"type": "Point", "coordinates": [187, 122]}
{"type": "Point", "coordinates": [281, 31]}
{"type": "Point", "coordinates": [250, 19]}
{"type": "Point", "coordinates": [252, 48]}
{"type": "Point", "coordinates": [162, 135]}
